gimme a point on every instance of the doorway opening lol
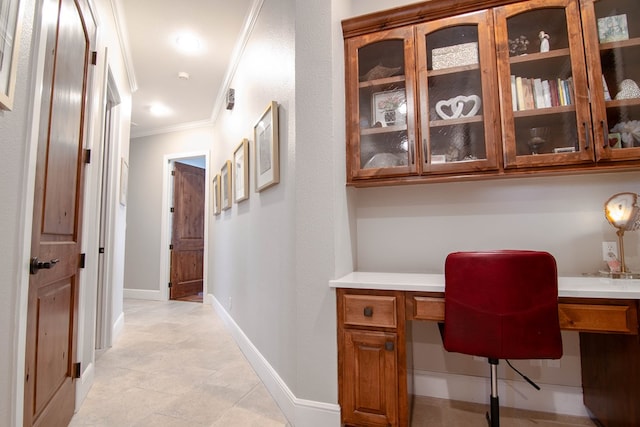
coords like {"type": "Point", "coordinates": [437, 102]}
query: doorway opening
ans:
{"type": "Point", "coordinates": [186, 198]}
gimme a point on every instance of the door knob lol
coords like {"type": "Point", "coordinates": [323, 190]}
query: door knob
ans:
{"type": "Point", "coordinates": [36, 265]}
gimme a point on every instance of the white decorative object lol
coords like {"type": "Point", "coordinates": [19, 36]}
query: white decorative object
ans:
{"type": "Point", "coordinates": [454, 56]}
{"type": "Point", "coordinates": [629, 131]}
{"type": "Point", "coordinates": [459, 106]}
{"type": "Point", "coordinates": [544, 41]}
{"type": "Point", "coordinates": [628, 90]}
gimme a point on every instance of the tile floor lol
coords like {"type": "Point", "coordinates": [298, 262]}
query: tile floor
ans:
{"type": "Point", "coordinates": [176, 365]}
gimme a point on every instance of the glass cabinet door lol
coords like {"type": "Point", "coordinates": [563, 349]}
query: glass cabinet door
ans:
{"type": "Point", "coordinates": [612, 41]}
{"type": "Point", "coordinates": [380, 102]}
{"type": "Point", "coordinates": [458, 94]}
{"type": "Point", "coordinates": [543, 85]}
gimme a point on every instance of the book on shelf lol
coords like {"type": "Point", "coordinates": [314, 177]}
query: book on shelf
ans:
{"type": "Point", "coordinates": [528, 93]}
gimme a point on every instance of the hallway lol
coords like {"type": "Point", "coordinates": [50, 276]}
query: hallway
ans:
{"type": "Point", "coordinates": [174, 365]}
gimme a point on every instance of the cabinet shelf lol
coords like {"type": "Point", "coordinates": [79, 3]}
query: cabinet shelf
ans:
{"type": "Point", "coordinates": [617, 103]}
{"type": "Point", "coordinates": [624, 43]}
{"type": "Point", "coordinates": [453, 122]}
{"type": "Point", "coordinates": [382, 130]}
{"type": "Point", "coordinates": [544, 111]}
{"type": "Point", "coordinates": [538, 56]}
{"type": "Point", "coordinates": [382, 82]}
{"type": "Point", "coordinates": [452, 70]}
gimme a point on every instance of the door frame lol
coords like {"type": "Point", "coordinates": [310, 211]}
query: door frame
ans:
{"type": "Point", "coordinates": [165, 223]}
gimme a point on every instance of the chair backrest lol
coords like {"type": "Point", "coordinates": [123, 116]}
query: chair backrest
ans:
{"type": "Point", "coordinates": [502, 305]}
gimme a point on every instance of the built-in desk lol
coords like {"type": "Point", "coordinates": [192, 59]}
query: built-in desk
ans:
{"type": "Point", "coordinates": [373, 309]}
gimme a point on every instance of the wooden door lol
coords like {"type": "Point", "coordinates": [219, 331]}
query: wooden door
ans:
{"type": "Point", "coordinates": [57, 217]}
{"type": "Point", "coordinates": [187, 237]}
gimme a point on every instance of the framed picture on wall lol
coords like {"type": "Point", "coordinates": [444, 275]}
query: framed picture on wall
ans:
{"type": "Point", "coordinates": [9, 33]}
{"type": "Point", "coordinates": [216, 195]}
{"type": "Point", "coordinates": [225, 185]}
{"type": "Point", "coordinates": [267, 157]}
{"type": "Point", "coordinates": [241, 172]}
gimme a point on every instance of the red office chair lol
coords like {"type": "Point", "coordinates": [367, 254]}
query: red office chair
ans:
{"type": "Point", "coordinates": [502, 305]}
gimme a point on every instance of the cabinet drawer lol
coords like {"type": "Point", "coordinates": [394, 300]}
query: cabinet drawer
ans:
{"type": "Point", "coordinates": [425, 308]}
{"type": "Point", "coordinates": [370, 310]}
{"type": "Point", "coordinates": [599, 317]}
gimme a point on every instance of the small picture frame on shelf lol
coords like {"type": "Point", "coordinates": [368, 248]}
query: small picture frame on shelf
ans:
{"type": "Point", "coordinates": [216, 195]}
{"type": "Point", "coordinates": [241, 172]}
{"type": "Point", "coordinates": [613, 28]}
{"type": "Point", "coordinates": [389, 108]}
{"type": "Point", "coordinates": [455, 55]}
{"type": "Point", "coordinates": [615, 140]}
{"type": "Point", "coordinates": [225, 185]}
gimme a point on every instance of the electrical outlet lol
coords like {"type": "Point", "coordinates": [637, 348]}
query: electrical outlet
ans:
{"type": "Point", "coordinates": [609, 251]}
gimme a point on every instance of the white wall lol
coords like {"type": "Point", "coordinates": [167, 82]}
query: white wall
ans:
{"type": "Point", "coordinates": [13, 185]}
{"type": "Point", "coordinates": [18, 140]}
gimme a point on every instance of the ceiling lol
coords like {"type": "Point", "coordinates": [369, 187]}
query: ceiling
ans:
{"type": "Point", "coordinates": [151, 27]}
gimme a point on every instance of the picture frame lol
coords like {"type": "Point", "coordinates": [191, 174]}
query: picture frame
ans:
{"type": "Point", "coordinates": [124, 181]}
{"type": "Point", "coordinates": [266, 151]}
{"type": "Point", "coordinates": [9, 34]}
{"type": "Point", "coordinates": [389, 107]}
{"type": "Point", "coordinates": [613, 28]}
{"type": "Point", "coordinates": [241, 172]}
{"type": "Point", "coordinates": [216, 195]}
{"type": "Point", "coordinates": [225, 185]}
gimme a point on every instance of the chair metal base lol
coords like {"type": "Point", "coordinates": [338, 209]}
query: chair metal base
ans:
{"type": "Point", "coordinates": [493, 418]}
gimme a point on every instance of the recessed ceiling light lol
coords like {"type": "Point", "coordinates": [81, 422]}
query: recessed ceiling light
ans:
{"type": "Point", "coordinates": [188, 43]}
{"type": "Point", "coordinates": [159, 110]}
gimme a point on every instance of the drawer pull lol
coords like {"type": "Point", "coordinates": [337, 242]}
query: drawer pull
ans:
{"type": "Point", "coordinates": [389, 346]}
{"type": "Point", "coordinates": [368, 311]}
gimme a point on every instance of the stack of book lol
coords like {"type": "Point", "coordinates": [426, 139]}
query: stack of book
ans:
{"type": "Point", "coordinates": [530, 93]}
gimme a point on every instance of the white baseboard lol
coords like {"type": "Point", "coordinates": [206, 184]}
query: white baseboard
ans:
{"type": "Point", "coordinates": [142, 294]}
{"type": "Point", "coordinates": [83, 384]}
{"type": "Point", "coordinates": [118, 326]}
{"type": "Point", "coordinates": [514, 394]}
{"type": "Point", "coordinates": [299, 412]}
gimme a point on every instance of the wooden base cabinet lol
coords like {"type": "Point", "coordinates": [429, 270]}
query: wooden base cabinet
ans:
{"type": "Point", "coordinates": [371, 343]}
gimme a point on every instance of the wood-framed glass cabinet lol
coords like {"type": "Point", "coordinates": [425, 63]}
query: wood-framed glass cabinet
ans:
{"type": "Point", "coordinates": [446, 90]}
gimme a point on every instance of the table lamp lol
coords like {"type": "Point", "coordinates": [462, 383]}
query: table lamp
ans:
{"type": "Point", "coordinates": [622, 211]}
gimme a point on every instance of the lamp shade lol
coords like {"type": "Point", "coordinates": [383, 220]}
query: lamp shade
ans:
{"type": "Point", "coordinates": [621, 210]}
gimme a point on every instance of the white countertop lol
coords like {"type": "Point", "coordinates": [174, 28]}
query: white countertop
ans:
{"type": "Point", "coordinates": [578, 286]}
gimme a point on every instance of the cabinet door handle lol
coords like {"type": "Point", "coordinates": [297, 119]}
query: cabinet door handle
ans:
{"type": "Point", "coordinates": [586, 134]}
{"type": "Point", "coordinates": [605, 135]}
{"type": "Point", "coordinates": [412, 153]}
{"type": "Point", "coordinates": [389, 346]}
{"type": "Point", "coordinates": [368, 311]}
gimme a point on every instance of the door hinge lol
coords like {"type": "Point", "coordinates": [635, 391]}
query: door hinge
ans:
{"type": "Point", "coordinates": [94, 58]}
{"type": "Point", "coordinates": [172, 210]}
{"type": "Point", "coordinates": [170, 284]}
{"type": "Point", "coordinates": [170, 247]}
{"type": "Point", "coordinates": [173, 173]}
{"type": "Point", "coordinates": [83, 259]}
{"type": "Point", "coordinates": [87, 156]}
{"type": "Point", "coordinates": [77, 370]}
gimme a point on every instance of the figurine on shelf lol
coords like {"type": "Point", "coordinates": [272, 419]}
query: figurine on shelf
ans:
{"type": "Point", "coordinates": [544, 41]}
{"type": "Point", "coordinates": [518, 46]}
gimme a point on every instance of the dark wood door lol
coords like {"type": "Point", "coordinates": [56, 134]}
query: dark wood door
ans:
{"type": "Point", "coordinates": [187, 237]}
{"type": "Point", "coordinates": [57, 217]}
